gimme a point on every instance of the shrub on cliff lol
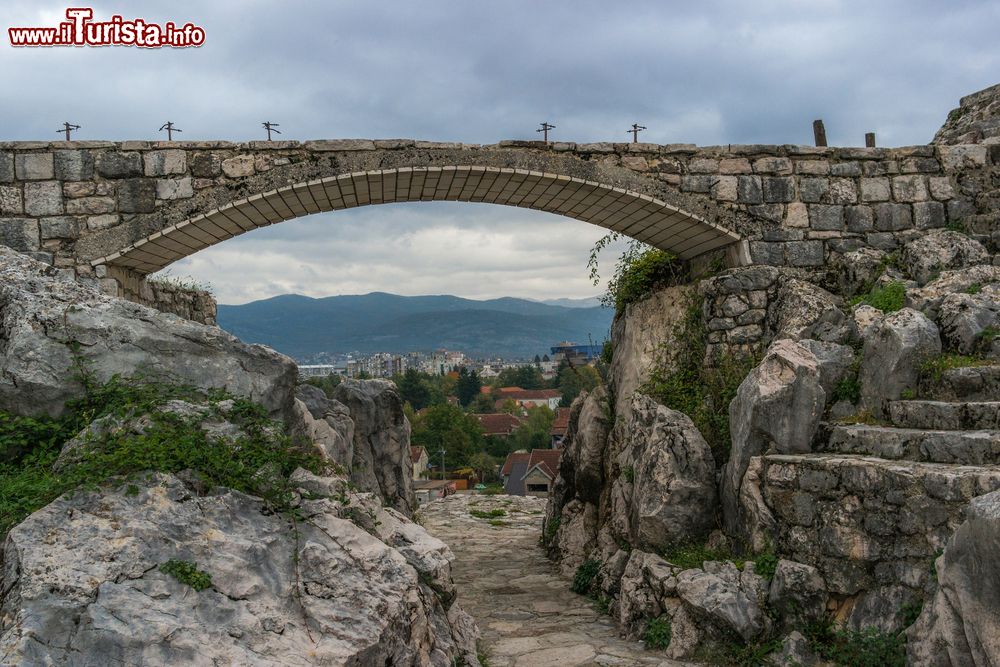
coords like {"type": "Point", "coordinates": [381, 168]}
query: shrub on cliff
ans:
{"type": "Point", "coordinates": [640, 270]}
{"type": "Point", "coordinates": [258, 461]}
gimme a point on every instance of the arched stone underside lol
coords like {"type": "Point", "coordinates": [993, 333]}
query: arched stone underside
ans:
{"type": "Point", "coordinates": [633, 214]}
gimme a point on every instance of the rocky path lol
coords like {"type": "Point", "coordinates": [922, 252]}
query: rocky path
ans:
{"type": "Point", "coordinates": [526, 613]}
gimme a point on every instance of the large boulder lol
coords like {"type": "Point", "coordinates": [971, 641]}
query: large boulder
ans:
{"type": "Point", "coordinates": [894, 349]}
{"type": "Point", "coordinates": [961, 625]}
{"type": "Point", "coordinates": [83, 584]}
{"type": "Point", "coordinates": [926, 257]}
{"type": "Point", "coordinates": [803, 310]}
{"type": "Point", "coordinates": [381, 459]}
{"type": "Point", "coordinates": [967, 319]}
{"type": "Point", "coordinates": [640, 335]}
{"type": "Point", "coordinates": [797, 593]}
{"type": "Point", "coordinates": [326, 423]}
{"type": "Point", "coordinates": [666, 487]}
{"type": "Point", "coordinates": [725, 598]}
{"type": "Point", "coordinates": [857, 271]}
{"type": "Point", "coordinates": [52, 327]}
{"type": "Point", "coordinates": [777, 409]}
{"type": "Point", "coordinates": [928, 298]}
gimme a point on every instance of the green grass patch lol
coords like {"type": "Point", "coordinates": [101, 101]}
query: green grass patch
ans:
{"type": "Point", "coordinates": [888, 298]}
{"type": "Point", "coordinates": [585, 578]}
{"type": "Point", "coordinates": [488, 514]}
{"type": "Point", "coordinates": [974, 288]}
{"type": "Point", "coordinates": [691, 556]}
{"type": "Point", "coordinates": [497, 522]}
{"type": "Point", "coordinates": [658, 633]}
{"type": "Point", "coordinates": [257, 463]}
{"type": "Point", "coordinates": [188, 573]}
{"type": "Point", "coordinates": [932, 369]}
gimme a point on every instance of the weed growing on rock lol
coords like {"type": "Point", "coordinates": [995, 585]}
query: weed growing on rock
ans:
{"type": "Point", "coordinates": [188, 573]}
{"type": "Point", "coordinates": [683, 382]}
{"type": "Point", "coordinates": [849, 387]}
{"type": "Point", "coordinates": [497, 522]}
{"type": "Point", "coordinates": [658, 633]}
{"type": "Point", "coordinates": [586, 577]}
{"type": "Point", "coordinates": [488, 514]}
{"type": "Point", "coordinates": [629, 474]}
{"type": "Point", "coordinates": [736, 654]}
{"type": "Point", "coordinates": [974, 288]}
{"type": "Point", "coordinates": [933, 368]}
{"type": "Point", "coordinates": [888, 299]}
{"type": "Point", "coordinates": [869, 647]}
{"type": "Point", "coordinates": [765, 564]}
{"type": "Point", "coordinates": [551, 528]}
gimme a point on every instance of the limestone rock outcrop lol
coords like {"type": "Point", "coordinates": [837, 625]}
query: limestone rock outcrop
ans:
{"type": "Point", "coordinates": [665, 494]}
{"type": "Point", "coordinates": [961, 625]}
{"type": "Point", "coordinates": [941, 250]}
{"type": "Point", "coordinates": [381, 457]}
{"type": "Point", "coordinates": [325, 423]}
{"type": "Point", "coordinates": [893, 352]}
{"type": "Point", "coordinates": [51, 327]}
{"type": "Point", "coordinates": [83, 583]}
{"type": "Point", "coordinates": [777, 409]}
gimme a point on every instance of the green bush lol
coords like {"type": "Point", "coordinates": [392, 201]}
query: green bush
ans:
{"type": "Point", "coordinates": [639, 271]}
{"type": "Point", "coordinates": [188, 573]}
{"type": "Point", "coordinates": [585, 577]}
{"type": "Point", "coordinates": [658, 633]}
{"type": "Point", "coordinates": [888, 299]}
{"type": "Point", "coordinates": [734, 653]}
{"type": "Point", "coordinates": [870, 647]}
{"type": "Point", "coordinates": [551, 528]}
{"type": "Point", "coordinates": [258, 463]}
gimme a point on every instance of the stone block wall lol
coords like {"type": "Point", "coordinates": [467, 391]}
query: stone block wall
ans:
{"type": "Point", "coordinates": [866, 523]}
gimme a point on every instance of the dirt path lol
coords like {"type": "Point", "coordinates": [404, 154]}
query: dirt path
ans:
{"type": "Point", "coordinates": [526, 613]}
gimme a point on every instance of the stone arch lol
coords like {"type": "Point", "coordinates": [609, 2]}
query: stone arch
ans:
{"type": "Point", "coordinates": [637, 215]}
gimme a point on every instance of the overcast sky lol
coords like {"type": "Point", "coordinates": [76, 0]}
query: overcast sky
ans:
{"type": "Point", "coordinates": [701, 72]}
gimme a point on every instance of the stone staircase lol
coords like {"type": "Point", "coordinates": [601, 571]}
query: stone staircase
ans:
{"type": "Point", "coordinates": [874, 503]}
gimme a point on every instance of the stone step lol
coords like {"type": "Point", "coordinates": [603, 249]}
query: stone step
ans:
{"type": "Point", "coordinates": [971, 383]}
{"type": "Point", "coordinates": [944, 415]}
{"type": "Point", "coordinates": [980, 447]}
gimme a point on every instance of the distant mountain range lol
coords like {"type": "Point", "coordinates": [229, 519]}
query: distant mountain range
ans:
{"type": "Point", "coordinates": [303, 327]}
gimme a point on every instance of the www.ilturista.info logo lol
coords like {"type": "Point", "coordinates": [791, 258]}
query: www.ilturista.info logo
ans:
{"type": "Point", "coordinates": [80, 30]}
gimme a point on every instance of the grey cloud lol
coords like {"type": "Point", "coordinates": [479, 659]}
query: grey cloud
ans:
{"type": "Point", "coordinates": [708, 72]}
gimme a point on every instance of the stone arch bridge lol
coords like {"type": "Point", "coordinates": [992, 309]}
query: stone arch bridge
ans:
{"type": "Point", "coordinates": [116, 212]}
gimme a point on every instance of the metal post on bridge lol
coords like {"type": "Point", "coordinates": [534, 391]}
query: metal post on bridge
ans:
{"type": "Point", "coordinates": [169, 127]}
{"type": "Point", "coordinates": [270, 127]}
{"type": "Point", "coordinates": [67, 128]}
{"type": "Point", "coordinates": [545, 127]}
{"type": "Point", "coordinates": [636, 129]}
{"type": "Point", "coordinates": [443, 469]}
